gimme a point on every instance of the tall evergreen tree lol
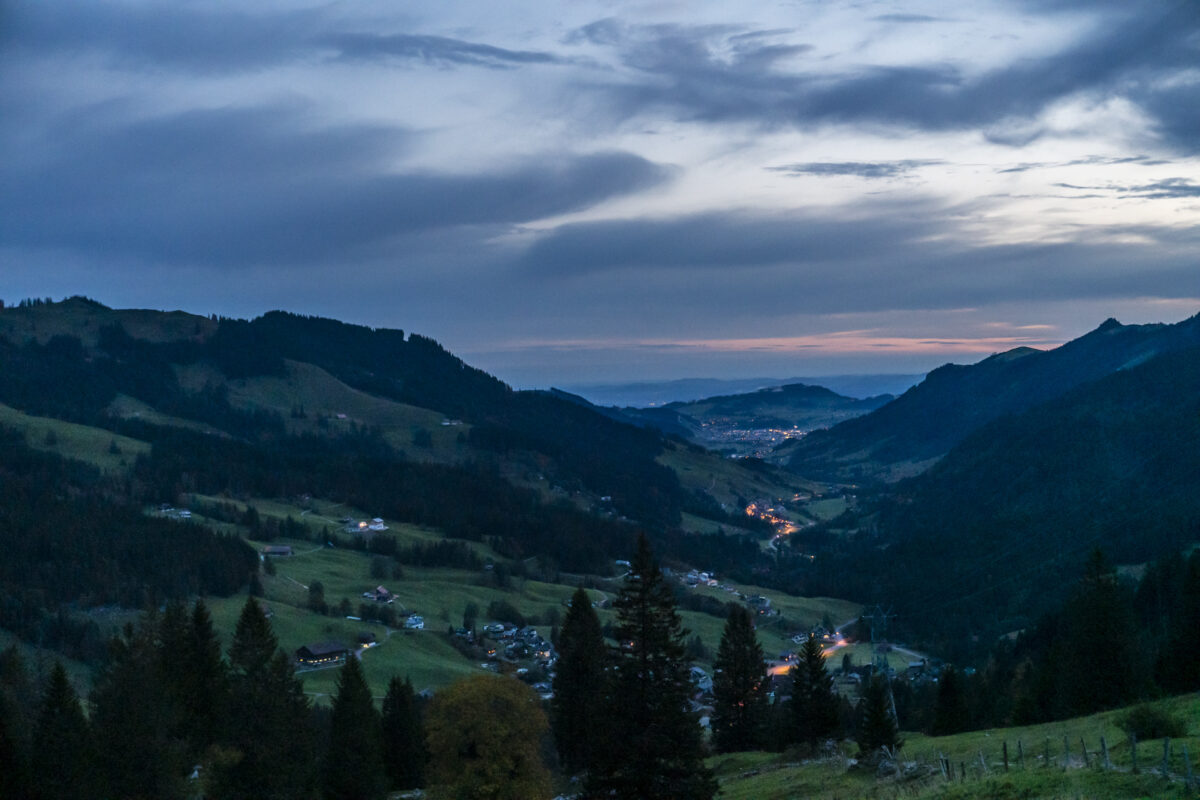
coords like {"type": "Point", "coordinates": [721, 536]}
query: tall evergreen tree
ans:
{"type": "Point", "coordinates": [404, 750]}
{"type": "Point", "coordinates": [136, 720]}
{"type": "Point", "coordinates": [14, 770]}
{"type": "Point", "coordinates": [739, 685]}
{"type": "Point", "coordinates": [579, 683]}
{"type": "Point", "coordinates": [17, 720]}
{"type": "Point", "coordinates": [353, 768]}
{"type": "Point", "coordinates": [1179, 664]}
{"type": "Point", "coordinates": [653, 748]}
{"type": "Point", "coordinates": [62, 757]}
{"type": "Point", "coordinates": [877, 725]}
{"type": "Point", "coordinates": [271, 725]}
{"type": "Point", "coordinates": [1100, 649]}
{"type": "Point", "coordinates": [814, 704]}
{"type": "Point", "coordinates": [951, 714]}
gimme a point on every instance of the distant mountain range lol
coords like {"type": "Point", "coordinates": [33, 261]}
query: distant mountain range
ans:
{"type": "Point", "coordinates": [643, 394]}
{"type": "Point", "coordinates": [754, 424]}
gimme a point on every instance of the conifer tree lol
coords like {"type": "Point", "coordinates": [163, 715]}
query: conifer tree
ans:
{"type": "Point", "coordinates": [739, 685]}
{"type": "Point", "coordinates": [1179, 664]}
{"type": "Point", "coordinates": [653, 748]}
{"type": "Point", "coordinates": [353, 768]}
{"type": "Point", "coordinates": [877, 726]}
{"type": "Point", "coordinates": [1099, 648]}
{"type": "Point", "coordinates": [578, 685]}
{"type": "Point", "coordinates": [14, 770]}
{"type": "Point", "coordinates": [136, 720]}
{"type": "Point", "coordinates": [814, 704]}
{"type": "Point", "coordinates": [270, 726]}
{"type": "Point", "coordinates": [62, 757]}
{"type": "Point", "coordinates": [404, 750]}
{"type": "Point", "coordinates": [950, 713]}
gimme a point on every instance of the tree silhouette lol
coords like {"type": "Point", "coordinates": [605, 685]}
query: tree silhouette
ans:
{"type": "Point", "coordinates": [814, 704]}
{"type": "Point", "coordinates": [653, 747]}
{"type": "Point", "coordinates": [404, 750]}
{"type": "Point", "coordinates": [353, 768]}
{"type": "Point", "coordinates": [739, 685]}
{"type": "Point", "coordinates": [579, 685]}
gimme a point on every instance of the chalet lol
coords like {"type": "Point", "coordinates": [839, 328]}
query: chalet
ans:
{"type": "Point", "coordinates": [322, 654]}
{"type": "Point", "coordinates": [366, 638]}
{"type": "Point", "coordinates": [414, 623]}
{"type": "Point", "coordinates": [277, 550]}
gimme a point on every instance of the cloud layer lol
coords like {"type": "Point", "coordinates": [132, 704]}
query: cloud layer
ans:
{"type": "Point", "coordinates": [504, 179]}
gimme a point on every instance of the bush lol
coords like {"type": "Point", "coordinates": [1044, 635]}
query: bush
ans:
{"type": "Point", "coordinates": [1151, 722]}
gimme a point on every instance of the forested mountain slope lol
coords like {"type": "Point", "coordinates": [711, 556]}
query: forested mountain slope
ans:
{"type": "Point", "coordinates": [982, 540]}
{"type": "Point", "coordinates": [910, 433]}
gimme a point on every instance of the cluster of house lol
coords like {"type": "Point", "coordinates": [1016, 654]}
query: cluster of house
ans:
{"type": "Point", "coordinates": [694, 578]}
{"type": "Point", "coordinates": [513, 644]}
{"type": "Point", "coordinates": [362, 527]}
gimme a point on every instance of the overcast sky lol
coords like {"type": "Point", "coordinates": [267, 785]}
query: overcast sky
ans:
{"type": "Point", "coordinates": [602, 190]}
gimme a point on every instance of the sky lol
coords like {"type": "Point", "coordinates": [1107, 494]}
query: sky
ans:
{"type": "Point", "coordinates": [595, 191]}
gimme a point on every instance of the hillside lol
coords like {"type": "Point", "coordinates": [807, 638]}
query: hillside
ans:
{"type": "Point", "coordinates": [1041, 768]}
{"type": "Point", "coordinates": [242, 429]}
{"type": "Point", "coordinates": [983, 540]}
{"type": "Point", "coordinates": [909, 434]}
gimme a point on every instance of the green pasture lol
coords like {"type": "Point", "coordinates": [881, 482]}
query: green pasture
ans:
{"type": "Point", "coordinates": [1048, 769]}
{"type": "Point", "coordinates": [79, 442]}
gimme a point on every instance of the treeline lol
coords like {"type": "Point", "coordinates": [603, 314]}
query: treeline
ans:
{"type": "Point", "coordinates": [72, 539]}
{"type": "Point", "coordinates": [1111, 644]}
{"type": "Point", "coordinates": [171, 718]}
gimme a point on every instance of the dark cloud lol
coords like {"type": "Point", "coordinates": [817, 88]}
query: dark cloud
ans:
{"type": "Point", "coordinates": [689, 72]}
{"type": "Point", "coordinates": [912, 255]}
{"type": "Point", "coordinates": [1170, 188]}
{"type": "Point", "coordinates": [861, 169]}
{"type": "Point", "coordinates": [234, 186]}
{"type": "Point", "coordinates": [437, 50]}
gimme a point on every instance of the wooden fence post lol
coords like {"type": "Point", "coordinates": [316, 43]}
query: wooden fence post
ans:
{"type": "Point", "coordinates": [1133, 750]}
{"type": "Point", "coordinates": [1166, 769]}
{"type": "Point", "coordinates": [942, 764]}
{"type": "Point", "coordinates": [1104, 751]}
{"type": "Point", "coordinates": [962, 771]}
{"type": "Point", "coordinates": [1066, 752]}
{"type": "Point", "coordinates": [1005, 750]}
{"type": "Point", "coordinates": [1021, 755]}
{"type": "Point", "coordinates": [1046, 751]}
{"type": "Point", "coordinates": [1187, 765]}
{"type": "Point", "coordinates": [1083, 749]}
{"type": "Point", "coordinates": [982, 762]}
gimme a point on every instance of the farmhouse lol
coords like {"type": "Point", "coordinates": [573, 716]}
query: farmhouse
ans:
{"type": "Point", "coordinates": [321, 654]}
{"type": "Point", "coordinates": [277, 550]}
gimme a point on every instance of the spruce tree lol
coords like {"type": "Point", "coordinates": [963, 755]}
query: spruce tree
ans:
{"type": "Point", "coordinates": [578, 685]}
{"type": "Point", "coordinates": [653, 748]}
{"type": "Point", "coordinates": [877, 725]}
{"type": "Point", "coordinates": [353, 768]}
{"type": "Point", "coordinates": [951, 714]}
{"type": "Point", "coordinates": [1179, 664]}
{"type": "Point", "coordinates": [14, 769]}
{"type": "Point", "coordinates": [739, 685]}
{"type": "Point", "coordinates": [62, 757]}
{"type": "Point", "coordinates": [270, 723]}
{"type": "Point", "coordinates": [404, 750]}
{"type": "Point", "coordinates": [136, 720]}
{"type": "Point", "coordinates": [1101, 653]}
{"type": "Point", "coordinates": [814, 704]}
